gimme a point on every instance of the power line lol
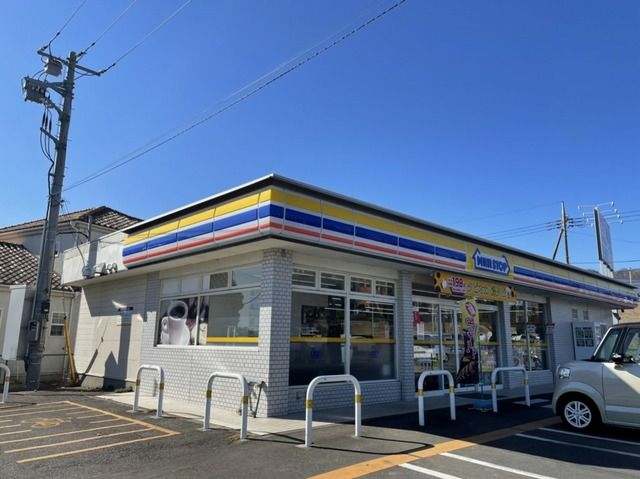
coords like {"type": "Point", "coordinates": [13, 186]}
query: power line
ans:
{"type": "Point", "coordinates": [146, 37]}
{"type": "Point", "coordinates": [520, 210]}
{"type": "Point", "coordinates": [129, 158]}
{"type": "Point", "coordinates": [48, 45]}
{"type": "Point", "coordinates": [118, 18]}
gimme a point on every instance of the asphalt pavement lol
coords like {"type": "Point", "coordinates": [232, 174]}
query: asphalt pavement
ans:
{"type": "Point", "coordinates": [63, 434]}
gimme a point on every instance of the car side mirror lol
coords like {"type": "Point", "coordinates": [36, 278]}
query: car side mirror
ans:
{"type": "Point", "coordinates": [617, 358]}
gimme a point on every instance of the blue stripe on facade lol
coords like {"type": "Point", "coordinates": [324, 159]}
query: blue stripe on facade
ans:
{"type": "Point", "coordinates": [195, 231]}
{"type": "Point", "coordinates": [570, 283]}
{"type": "Point", "coordinates": [448, 253]}
{"type": "Point", "coordinates": [337, 226]}
{"type": "Point", "coordinates": [136, 248]}
{"type": "Point", "coordinates": [162, 241]}
{"type": "Point", "coordinates": [302, 218]}
{"type": "Point", "coordinates": [235, 220]}
{"type": "Point", "coordinates": [378, 236]}
{"type": "Point", "coordinates": [271, 210]}
{"type": "Point", "coordinates": [417, 246]}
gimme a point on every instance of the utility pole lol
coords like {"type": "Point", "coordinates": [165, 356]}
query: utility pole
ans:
{"type": "Point", "coordinates": [564, 230]}
{"type": "Point", "coordinates": [37, 91]}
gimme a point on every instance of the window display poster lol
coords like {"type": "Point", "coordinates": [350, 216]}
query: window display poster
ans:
{"type": "Point", "coordinates": [468, 370]}
{"type": "Point", "coordinates": [177, 320]}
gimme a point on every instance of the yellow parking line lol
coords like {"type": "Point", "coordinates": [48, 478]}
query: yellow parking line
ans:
{"type": "Point", "coordinates": [135, 421]}
{"type": "Point", "coordinates": [14, 432]}
{"type": "Point", "coordinates": [39, 412]}
{"type": "Point", "coordinates": [91, 415]}
{"type": "Point", "coordinates": [75, 413]}
{"type": "Point", "coordinates": [35, 438]}
{"type": "Point", "coordinates": [376, 465]}
{"type": "Point", "coordinates": [74, 441]}
{"type": "Point", "coordinates": [106, 446]}
{"type": "Point", "coordinates": [7, 427]}
{"type": "Point", "coordinates": [14, 407]}
{"type": "Point", "coordinates": [6, 420]}
{"type": "Point", "coordinates": [105, 420]}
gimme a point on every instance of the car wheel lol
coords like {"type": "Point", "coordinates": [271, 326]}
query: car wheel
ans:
{"type": "Point", "coordinates": [579, 413]}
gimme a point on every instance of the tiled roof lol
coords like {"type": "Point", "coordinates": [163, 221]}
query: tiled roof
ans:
{"type": "Point", "coordinates": [102, 216]}
{"type": "Point", "coordinates": [19, 266]}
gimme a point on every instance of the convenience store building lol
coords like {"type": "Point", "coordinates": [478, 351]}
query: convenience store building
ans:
{"type": "Point", "coordinates": [282, 281]}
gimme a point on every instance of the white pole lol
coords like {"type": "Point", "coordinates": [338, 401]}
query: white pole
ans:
{"type": "Point", "coordinates": [7, 379]}
{"type": "Point", "coordinates": [308, 437]}
{"type": "Point", "coordinates": [207, 409]}
{"type": "Point", "coordinates": [421, 406]}
{"type": "Point", "coordinates": [245, 409]}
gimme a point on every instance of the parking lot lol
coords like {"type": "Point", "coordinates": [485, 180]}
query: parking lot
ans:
{"type": "Point", "coordinates": [68, 435]}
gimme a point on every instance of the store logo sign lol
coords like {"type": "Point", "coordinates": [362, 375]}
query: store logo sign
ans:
{"type": "Point", "coordinates": [492, 264]}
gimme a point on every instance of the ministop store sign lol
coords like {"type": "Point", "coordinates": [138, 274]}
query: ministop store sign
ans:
{"type": "Point", "coordinates": [452, 284]}
{"type": "Point", "coordinates": [492, 264]}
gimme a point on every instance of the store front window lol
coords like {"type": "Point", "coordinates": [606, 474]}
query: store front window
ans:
{"type": "Point", "coordinates": [528, 335]}
{"type": "Point", "coordinates": [327, 337]}
{"type": "Point", "coordinates": [223, 309]}
{"type": "Point", "coordinates": [442, 341]}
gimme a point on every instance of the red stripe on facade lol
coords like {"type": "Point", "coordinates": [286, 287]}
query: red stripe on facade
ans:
{"type": "Point", "coordinates": [375, 248]}
{"type": "Point", "coordinates": [192, 244]}
{"type": "Point", "coordinates": [301, 231]}
{"type": "Point", "coordinates": [453, 265]}
{"type": "Point", "coordinates": [235, 233]}
{"type": "Point", "coordinates": [172, 249]}
{"type": "Point", "coordinates": [338, 239]}
{"type": "Point", "coordinates": [417, 256]}
{"type": "Point", "coordinates": [271, 224]}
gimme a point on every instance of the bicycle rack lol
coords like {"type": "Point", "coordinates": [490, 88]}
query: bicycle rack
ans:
{"type": "Point", "coordinates": [308, 430]}
{"type": "Point", "coordinates": [245, 401]}
{"type": "Point", "coordinates": [452, 393]}
{"type": "Point", "coordinates": [494, 393]}
{"type": "Point", "coordinates": [7, 377]}
{"type": "Point", "coordinates": [160, 387]}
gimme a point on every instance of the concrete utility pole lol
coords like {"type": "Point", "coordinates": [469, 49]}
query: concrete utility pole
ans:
{"type": "Point", "coordinates": [564, 231]}
{"type": "Point", "coordinates": [37, 91]}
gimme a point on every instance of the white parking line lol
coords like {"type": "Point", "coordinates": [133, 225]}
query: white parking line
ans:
{"type": "Point", "coordinates": [588, 436]}
{"type": "Point", "coordinates": [496, 466]}
{"type": "Point", "coordinates": [593, 448]}
{"type": "Point", "coordinates": [428, 472]}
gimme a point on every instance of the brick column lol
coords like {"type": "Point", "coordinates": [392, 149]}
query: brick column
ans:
{"type": "Point", "coordinates": [404, 340]}
{"type": "Point", "coordinates": [275, 325]}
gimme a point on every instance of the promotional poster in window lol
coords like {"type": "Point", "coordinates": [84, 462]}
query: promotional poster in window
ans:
{"type": "Point", "coordinates": [468, 372]}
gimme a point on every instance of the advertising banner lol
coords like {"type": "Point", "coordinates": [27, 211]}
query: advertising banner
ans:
{"type": "Point", "coordinates": [453, 284]}
{"type": "Point", "coordinates": [469, 319]}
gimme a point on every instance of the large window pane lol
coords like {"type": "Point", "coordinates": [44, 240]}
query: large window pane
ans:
{"type": "Point", "coordinates": [528, 335]}
{"type": "Point", "coordinates": [230, 318]}
{"type": "Point", "coordinates": [372, 340]}
{"type": "Point", "coordinates": [249, 276]}
{"type": "Point", "coordinates": [178, 318]}
{"type": "Point", "coordinates": [317, 337]}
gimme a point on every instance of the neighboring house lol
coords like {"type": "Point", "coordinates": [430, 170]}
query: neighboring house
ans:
{"type": "Point", "coordinates": [19, 251]}
{"type": "Point", "coordinates": [18, 272]}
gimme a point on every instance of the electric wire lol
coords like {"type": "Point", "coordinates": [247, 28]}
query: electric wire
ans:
{"type": "Point", "coordinates": [48, 45]}
{"type": "Point", "coordinates": [146, 37]}
{"type": "Point", "coordinates": [113, 23]}
{"type": "Point", "coordinates": [143, 151]}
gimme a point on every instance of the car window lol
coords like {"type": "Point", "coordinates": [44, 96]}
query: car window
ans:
{"type": "Point", "coordinates": [604, 351]}
{"type": "Point", "coordinates": [631, 347]}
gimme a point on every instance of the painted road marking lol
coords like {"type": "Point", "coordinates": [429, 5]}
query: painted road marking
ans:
{"type": "Point", "coordinates": [588, 436]}
{"type": "Point", "coordinates": [106, 446]}
{"type": "Point", "coordinates": [14, 425]}
{"type": "Point", "coordinates": [581, 446]}
{"type": "Point", "coordinates": [74, 441]}
{"type": "Point", "coordinates": [429, 472]}
{"type": "Point", "coordinates": [376, 465]}
{"type": "Point", "coordinates": [105, 420]}
{"type": "Point", "coordinates": [39, 412]}
{"type": "Point", "coordinates": [128, 425]}
{"type": "Point", "coordinates": [496, 466]}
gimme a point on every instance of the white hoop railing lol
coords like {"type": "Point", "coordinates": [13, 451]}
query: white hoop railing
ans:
{"type": "Point", "coordinates": [494, 392]}
{"type": "Point", "coordinates": [452, 393]}
{"type": "Point", "coordinates": [136, 397]}
{"type": "Point", "coordinates": [245, 401]}
{"type": "Point", "coordinates": [7, 378]}
{"type": "Point", "coordinates": [338, 378]}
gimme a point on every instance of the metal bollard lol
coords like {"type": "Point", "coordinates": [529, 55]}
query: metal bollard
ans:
{"type": "Point", "coordinates": [245, 401]}
{"type": "Point", "coordinates": [7, 379]}
{"type": "Point", "coordinates": [136, 396]}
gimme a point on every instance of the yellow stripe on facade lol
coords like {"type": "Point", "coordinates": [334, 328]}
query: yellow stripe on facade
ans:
{"type": "Point", "coordinates": [373, 340]}
{"type": "Point", "coordinates": [236, 205]}
{"type": "Point", "coordinates": [224, 339]}
{"type": "Point", "coordinates": [337, 212]}
{"type": "Point", "coordinates": [376, 223]}
{"type": "Point", "coordinates": [163, 229]}
{"type": "Point", "coordinates": [304, 202]}
{"type": "Point", "coordinates": [431, 238]}
{"type": "Point", "coordinates": [197, 218]}
{"type": "Point", "coordinates": [310, 339]}
{"type": "Point", "coordinates": [136, 237]}
{"type": "Point", "coordinates": [272, 195]}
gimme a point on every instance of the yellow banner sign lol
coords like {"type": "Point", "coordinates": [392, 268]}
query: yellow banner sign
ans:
{"type": "Point", "coordinates": [453, 284]}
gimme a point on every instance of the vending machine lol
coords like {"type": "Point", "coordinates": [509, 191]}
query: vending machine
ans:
{"type": "Point", "coordinates": [586, 336]}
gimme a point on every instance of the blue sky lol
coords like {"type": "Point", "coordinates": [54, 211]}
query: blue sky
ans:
{"type": "Point", "coordinates": [480, 116]}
